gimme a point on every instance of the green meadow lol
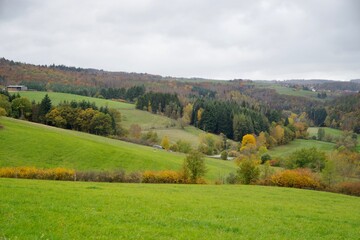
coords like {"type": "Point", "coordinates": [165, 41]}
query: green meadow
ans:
{"type": "Point", "coordinates": [297, 144]}
{"type": "Point", "coordinates": [39, 209]}
{"type": "Point", "coordinates": [147, 121]}
{"type": "Point", "coordinates": [328, 131]}
{"type": "Point", "coordinates": [57, 98]}
{"type": "Point", "coordinates": [29, 144]}
{"type": "Point", "coordinates": [332, 132]}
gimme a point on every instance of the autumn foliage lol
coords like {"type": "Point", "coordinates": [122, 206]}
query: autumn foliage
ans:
{"type": "Point", "coordinates": [350, 188]}
{"type": "Point", "coordinates": [166, 176]}
{"type": "Point", "coordinates": [298, 178]}
{"type": "Point", "coordinates": [35, 173]}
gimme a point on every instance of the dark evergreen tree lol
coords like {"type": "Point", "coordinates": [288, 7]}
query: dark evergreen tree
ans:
{"type": "Point", "coordinates": [44, 107]}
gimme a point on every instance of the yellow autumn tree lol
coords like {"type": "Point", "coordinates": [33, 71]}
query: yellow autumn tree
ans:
{"type": "Point", "coordinates": [187, 111]}
{"type": "Point", "coordinates": [278, 134]}
{"type": "Point", "coordinates": [248, 139]}
{"type": "Point", "coordinates": [248, 144]}
{"type": "Point", "coordinates": [165, 143]}
{"type": "Point", "coordinates": [199, 114]}
{"type": "Point", "coordinates": [261, 140]}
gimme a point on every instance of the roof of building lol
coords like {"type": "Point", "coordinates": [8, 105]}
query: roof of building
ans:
{"type": "Point", "coordinates": [13, 86]}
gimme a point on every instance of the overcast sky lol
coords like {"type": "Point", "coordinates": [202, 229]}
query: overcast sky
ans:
{"type": "Point", "coordinates": [224, 39]}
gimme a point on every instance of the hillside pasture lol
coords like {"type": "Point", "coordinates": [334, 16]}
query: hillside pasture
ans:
{"type": "Point", "coordinates": [29, 144]}
{"type": "Point", "coordinates": [40, 209]}
{"type": "Point", "coordinates": [297, 144]}
{"type": "Point", "coordinates": [57, 98]}
{"type": "Point", "coordinates": [328, 131]}
{"type": "Point", "coordinates": [332, 132]}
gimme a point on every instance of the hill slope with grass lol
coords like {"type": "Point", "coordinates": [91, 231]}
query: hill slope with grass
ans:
{"type": "Point", "coordinates": [28, 144]}
{"type": "Point", "coordinates": [285, 150]}
{"type": "Point", "coordinates": [79, 210]}
{"type": "Point", "coordinates": [147, 121]}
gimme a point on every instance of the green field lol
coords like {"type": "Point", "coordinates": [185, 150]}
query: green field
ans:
{"type": "Point", "coordinates": [328, 131]}
{"type": "Point", "coordinates": [39, 209]}
{"type": "Point", "coordinates": [130, 115]}
{"type": "Point", "coordinates": [57, 98]}
{"type": "Point", "coordinates": [29, 144]}
{"type": "Point", "coordinates": [297, 144]}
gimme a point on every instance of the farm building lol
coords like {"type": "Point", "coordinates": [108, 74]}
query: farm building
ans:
{"type": "Point", "coordinates": [16, 88]}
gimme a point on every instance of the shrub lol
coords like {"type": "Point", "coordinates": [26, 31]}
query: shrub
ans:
{"type": "Point", "coordinates": [194, 163]}
{"type": "Point", "coordinates": [350, 188]}
{"type": "Point", "coordinates": [232, 178]}
{"type": "Point", "coordinates": [174, 147]}
{"type": "Point", "coordinates": [274, 162]}
{"type": "Point", "coordinates": [265, 158]}
{"type": "Point", "coordinates": [166, 176]}
{"type": "Point", "coordinates": [298, 178]}
{"type": "Point", "coordinates": [35, 173]}
{"type": "Point", "coordinates": [103, 176]}
{"type": "Point", "coordinates": [248, 171]}
{"type": "Point", "coordinates": [307, 158]}
{"type": "Point", "coordinates": [86, 176]}
{"type": "Point", "coordinates": [134, 177]}
{"type": "Point", "coordinates": [224, 155]}
{"type": "Point", "coordinates": [184, 146]}
{"type": "Point", "coordinates": [328, 138]}
{"type": "Point", "coordinates": [233, 153]}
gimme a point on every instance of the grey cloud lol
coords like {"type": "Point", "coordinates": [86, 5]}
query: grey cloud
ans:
{"type": "Point", "coordinates": [216, 39]}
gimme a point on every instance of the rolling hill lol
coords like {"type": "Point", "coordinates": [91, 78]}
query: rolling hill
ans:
{"type": "Point", "coordinates": [31, 144]}
{"type": "Point", "coordinates": [147, 121]}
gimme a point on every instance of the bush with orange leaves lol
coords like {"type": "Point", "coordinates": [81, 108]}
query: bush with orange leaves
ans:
{"type": "Point", "coordinates": [350, 188]}
{"type": "Point", "coordinates": [298, 178]}
{"type": "Point", "coordinates": [35, 173]}
{"type": "Point", "coordinates": [166, 176]}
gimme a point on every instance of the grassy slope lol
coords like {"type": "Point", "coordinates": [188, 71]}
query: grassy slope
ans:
{"type": "Point", "coordinates": [286, 150]}
{"type": "Point", "coordinates": [331, 131]}
{"type": "Point", "coordinates": [56, 98]}
{"type": "Point", "coordinates": [78, 210]}
{"type": "Point", "coordinates": [162, 125]}
{"type": "Point", "coordinates": [30, 144]}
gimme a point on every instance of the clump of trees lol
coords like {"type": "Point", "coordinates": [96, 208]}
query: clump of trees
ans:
{"type": "Point", "coordinates": [160, 103]}
{"type": "Point", "coordinates": [81, 116]}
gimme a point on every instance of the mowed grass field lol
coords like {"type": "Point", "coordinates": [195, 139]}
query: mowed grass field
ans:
{"type": "Point", "coordinates": [297, 144]}
{"type": "Point", "coordinates": [29, 144]}
{"type": "Point", "coordinates": [147, 121]}
{"type": "Point", "coordinates": [39, 209]}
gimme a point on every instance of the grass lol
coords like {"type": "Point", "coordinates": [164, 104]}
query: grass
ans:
{"type": "Point", "coordinates": [38, 209]}
{"type": "Point", "coordinates": [57, 98]}
{"type": "Point", "coordinates": [130, 115]}
{"type": "Point", "coordinates": [297, 144]}
{"type": "Point", "coordinates": [29, 144]}
{"type": "Point", "coordinates": [328, 131]}
{"type": "Point", "coordinates": [292, 91]}
{"type": "Point", "coordinates": [331, 131]}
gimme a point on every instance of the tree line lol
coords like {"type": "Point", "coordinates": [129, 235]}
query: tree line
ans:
{"type": "Point", "coordinates": [81, 116]}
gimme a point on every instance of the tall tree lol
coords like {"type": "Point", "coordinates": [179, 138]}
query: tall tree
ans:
{"type": "Point", "coordinates": [44, 108]}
